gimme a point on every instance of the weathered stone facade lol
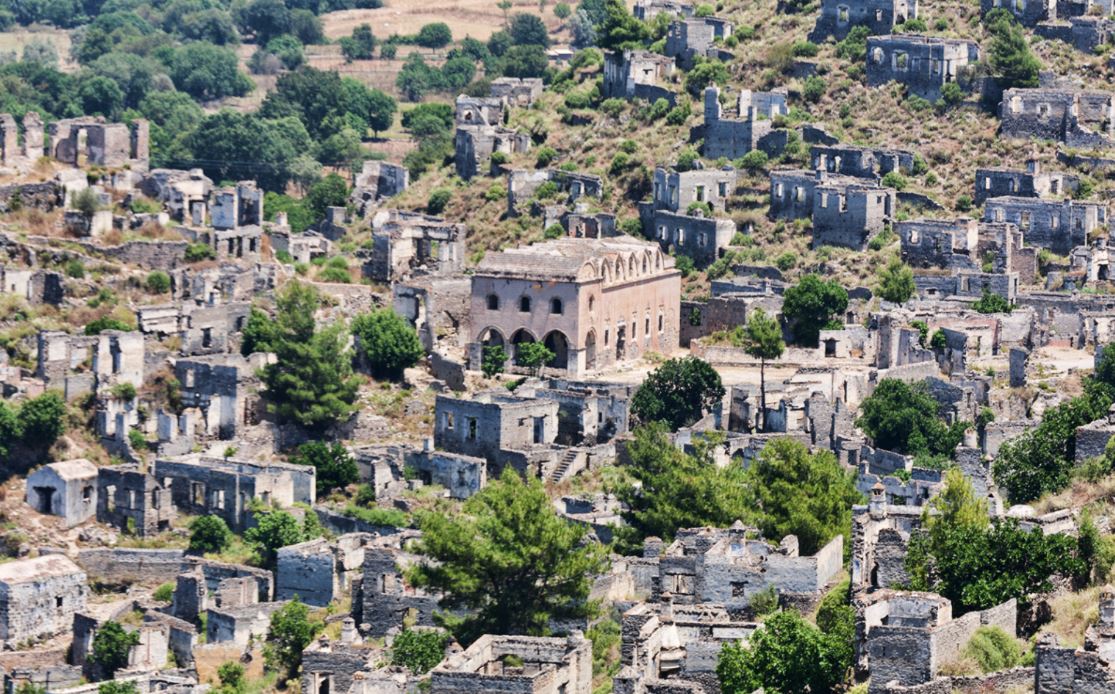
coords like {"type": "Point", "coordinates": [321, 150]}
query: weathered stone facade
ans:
{"type": "Point", "coordinates": [38, 597]}
{"type": "Point", "coordinates": [838, 17]}
{"type": "Point", "coordinates": [1031, 183]}
{"type": "Point", "coordinates": [133, 501]}
{"type": "Point", "coordinates": [735, 137]}
{"type": "Point", "coordinates": [924, 64]}
{"type": "Point", "coordinates": [407, 243]}
{"type": "Point", "coordinates": [1059, 225]}
{"type": "Point", "coordinates": [225, 487]}
{"type": "Point", "coordinates": [637, 75]}
{"type": "Point", "coordinates": [1075, 117]}
{"type": "Point", "coordinates": [600, 301]}
{"type": "Point", "coordinates": [850, 215]}
{"type": "Point", "coordinates": [697, 37]}
{"type": "Point", "coordinates": [549, 666]}
{"type": "Point", "coordinates": [67, 489]}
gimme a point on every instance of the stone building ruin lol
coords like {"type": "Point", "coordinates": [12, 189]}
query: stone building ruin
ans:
{"type": "Point", "coordinates": [924, 64]}
{"type": "Point", "coordinates": [592, 302]}
{"type": "Point", "coordinates": [838, 17]}
{"type": "Point", "coordinates": [67, 489]}
{"type": "Point", "coordinates": [632, 74]}
{"type": "Point", "coordinates": [751, 129]}
{"type": "Point", "coordinates": [38, 597]}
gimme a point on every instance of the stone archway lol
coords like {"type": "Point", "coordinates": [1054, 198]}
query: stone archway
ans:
{"type": "Point", "coordinates": [558, 343]}
{"type": "Point", "coordinates": [520, 336]}
{"type": "Point", "coordinates": [590, 350]}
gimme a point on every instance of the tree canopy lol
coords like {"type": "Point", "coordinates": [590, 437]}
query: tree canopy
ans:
{"type": "Point", "coordinates": [904, 418]}
{"type": "Point", "coordinates": [508, 560]}
{"type": "Point", "coordinates": [387, 342]}
{"type": "Point", "coordinates": [812, 305]}
{"type": "Point", "coordinates": [288, 634]}
{"type": "Point", "coordinates": [788, 655]}
{"type": "Point", "coordinates": [671, 489]}
{"type": "Point", "coordinates": [977, 563]}
{"type": "Point", "coordinates": [311, 382]}
{"type": "Point", "coordinates": [335, 466]}
{"type": "Point", "coordinates": [677, 393]}
{"type": "Point", "coordinates": [791, 491]}
{"type": "Point", "coordinates": [896, 282]}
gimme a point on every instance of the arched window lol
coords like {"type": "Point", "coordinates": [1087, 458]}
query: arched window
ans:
{"type": "Point", "coordinates": [555, 306]}
{"type": "Point", "coordinates": [493, 302]}
{"type": "Point", "coordinates": [591, 303]}
{"type": "Point", "coordinates": [524, 304]}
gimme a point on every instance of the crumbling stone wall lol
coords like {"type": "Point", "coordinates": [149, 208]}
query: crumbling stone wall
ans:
{"type": "Point", "coordinates": [838, 17]}
{"type": "Point", "coordinates": [1077, 118]}
{"type": "Point", "coordinates": [850, 215]}
{"type": "Point", "coordinates": [1027, 13]}
{"type": "Point", "coordinates": [1059, 225]}
{"type": "Point", "coordinates": [701, 239]}
{"type": "Point", "coordinates": [859, 162]}
{"type": "Point", "coordinates": [384, 599]}
{"type": "Point", "coordinates": [38, 597]}
{"type": "Point", "coordinates": [923, 63]}
{"type": "Point", "coordinates": [1030, 183]}
{"type": "Point", "coordinates": [733, 138]}
{"type": "Point", "coordinates": [637, 75]}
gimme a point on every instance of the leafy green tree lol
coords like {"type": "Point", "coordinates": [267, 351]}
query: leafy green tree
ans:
{"type": "Point", "coordinates": [111, 646]}
{"type": "Point", "coordinates": [39, 423]}
{"type": "Point", "coordinates": [158, 282]}
{"type": "Point", "coordinates": [896, 282]}
{"type": "Point", "coordinates": [11, 431]}
{"type": "Point", "coordinates": [330, 191]}
{"type": "Point", "coordinates": [528, 29]}
{"type": "Point", "coordinates": [977, 568]}
{"type": "Point", "coordinates": [493, 360]}
{"type": "Point", "coordinates": [508, 560]}
{"type": "Point", "coordinates": [434, 35]}
{"type": "Point", "coordinates": [265, 19]}
{"type": "Point", "coordinates": [671, 489]}
{"type": "Point", "coordinates": [524, 61]}
{"type": "Point", "coordinates": [99, 325]}
{"type": "Point", "coordinates": [311, 382]}
{"type": "Point", "coordinates": [562, 11]}
{"type": "Point", "coordinates": [288, 50]}
{"type": "Point", "coordinates": [387, 342]}
{"type": "Point", "coordinates": [991, 303]}
{"type": "Point", "coordinates": [533, 355]}
{"type": "Point", "coordinates": [678, 393]}
{"type": "Point", "coordinates": [704, 75]}
{"type": "Point", "coordinates": [259, 334]}
{"type": "Point", "coordinates": [993, 649]}
{"type": "Point", "coordinates": [209, 534]}
{"type": "Point", "coordinates": [233, 146]}
{"type": "Point", "coordinates": [208, 72]}
{"type": "Point", "coordinates": [335, 466]}
{"type": "Point", "coordinates": [904, 418]}
{"type": "Point", "coordinates": [419, 650]}
{"type": "Point", "coordinates": [117, 687]}
{"type": "Point", "coordinates": [794, 492]}
{"type": "Point", "coordinates": [231, 675]}
{"type": "Point", "coordinates": [812, 305]}
{"type": "Point", "coordinates": [614, 25]}
{"type": "Point", "coordinates": [763, 340]}
{"type": "Point", "coordinates": [416, 78]}
{"type": "Point", "coordinates": [788, 655]}
{"type": "Point", "coordinates": [1012, 61]}
{"type": "Point", "coordinates": [288, 634]}
{"type": "Point", "coordinates": [275, 529]}
{"type": "Point", "coordinates": [360, 45]}
{"type": "Point", "coordinates": [1042, 459]}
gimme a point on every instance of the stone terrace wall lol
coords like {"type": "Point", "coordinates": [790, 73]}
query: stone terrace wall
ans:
{"type": "Point", "coordinates": [132, 565]}
{"type": "Point", "coordinates": [1019, 678]}
{"type": "Point", "coordinates": [150, 255]}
